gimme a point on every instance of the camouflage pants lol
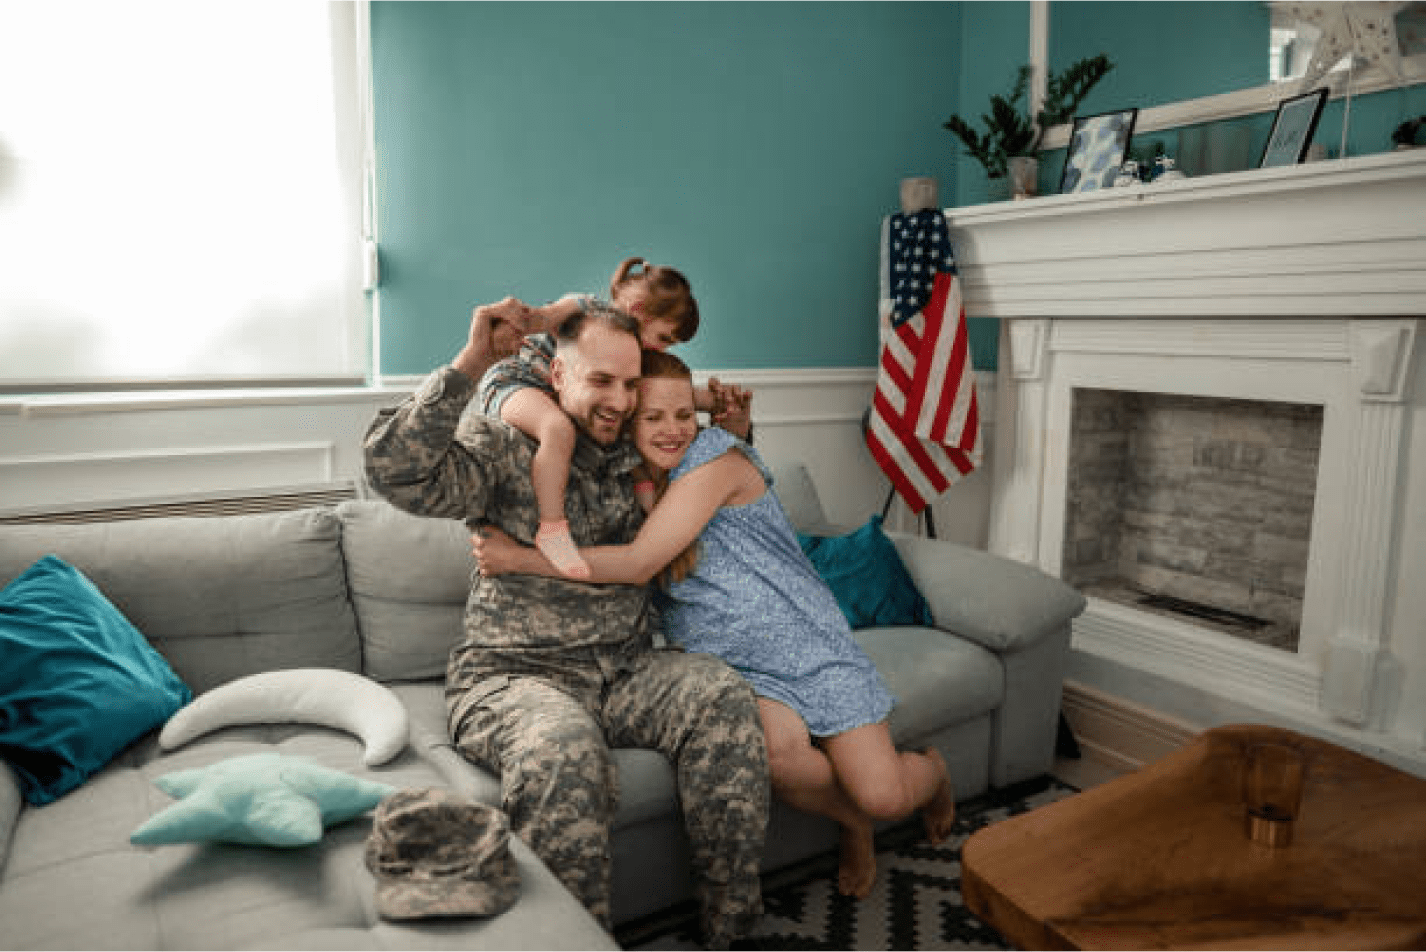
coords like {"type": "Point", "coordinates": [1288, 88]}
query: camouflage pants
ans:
{"type": "Point", "coordinates": [548, 735]}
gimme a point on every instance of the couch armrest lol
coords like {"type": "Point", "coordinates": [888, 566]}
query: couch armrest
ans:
{"type": "Point", "coordinates": [1000, 604]}
{"type": "Point", "coordinates": [11, 803]}
{"type": "Point", "coordinates": [1024, 729]}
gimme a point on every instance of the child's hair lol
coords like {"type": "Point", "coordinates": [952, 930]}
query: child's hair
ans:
{"type": "Point", "coordinates": [658, 363]}
{"type": "Point", "coordinates": [670, 296]}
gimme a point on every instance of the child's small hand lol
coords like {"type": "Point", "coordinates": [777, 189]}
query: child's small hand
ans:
{"type": "Point", "coordinates": [553, 314]}
{"type": "Point", "coordinates": [543, 320]}
{"type": "Point", "coordinates": [732, 407]}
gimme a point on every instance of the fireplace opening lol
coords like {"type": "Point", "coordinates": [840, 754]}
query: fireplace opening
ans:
{"type": "Point", "coordinates": [1192, 609]}
{"type": "Point", "coordinates": [1194, 508]}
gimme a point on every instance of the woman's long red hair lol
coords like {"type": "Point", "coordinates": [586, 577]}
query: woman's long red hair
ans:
{"type": "Point", "coordinates": [658, 364]}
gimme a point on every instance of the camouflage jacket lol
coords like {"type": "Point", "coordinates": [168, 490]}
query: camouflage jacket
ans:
{"type": "Point", "coordinates": [430, 457]}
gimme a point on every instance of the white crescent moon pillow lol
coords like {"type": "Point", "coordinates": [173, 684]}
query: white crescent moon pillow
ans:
{"type": "Point", "coordinates": [325, 696]}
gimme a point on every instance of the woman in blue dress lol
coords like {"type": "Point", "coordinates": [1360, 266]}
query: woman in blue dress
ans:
{"type": "Point", "coordinates": [740, 587]}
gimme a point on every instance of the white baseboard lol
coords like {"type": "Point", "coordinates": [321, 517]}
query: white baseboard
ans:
{"type": "Point", "coordinates": [1118, 733]}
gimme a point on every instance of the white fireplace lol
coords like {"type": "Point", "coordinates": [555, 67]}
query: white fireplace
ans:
{"type": "Point", "coordinates": [1303, 286]}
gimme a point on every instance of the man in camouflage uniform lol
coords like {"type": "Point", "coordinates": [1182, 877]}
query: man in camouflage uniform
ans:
{"type": "Point", "coordinates": [553, 673]}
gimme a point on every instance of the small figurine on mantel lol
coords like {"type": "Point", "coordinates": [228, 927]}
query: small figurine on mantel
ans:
{"type": "Point", "coordinates": [1164, 170]}
{"type": "Point", "coordinates": [1128, 174]}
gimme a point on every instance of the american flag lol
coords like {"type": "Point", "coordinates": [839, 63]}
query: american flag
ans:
{"type": "Point", "coordinates": [924, 425]}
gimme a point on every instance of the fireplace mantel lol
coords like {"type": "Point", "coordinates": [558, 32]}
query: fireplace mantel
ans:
{"type": "Point", "coordinates": [1324, 238]}
{"type": "Point", "coordinates": [1302, 285]}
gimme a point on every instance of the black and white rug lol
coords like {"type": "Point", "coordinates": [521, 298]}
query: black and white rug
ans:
{"type": "Point", "coordinates": [916, 903]}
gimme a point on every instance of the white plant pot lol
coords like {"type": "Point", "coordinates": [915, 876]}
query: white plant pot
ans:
{"type": "Point", "coordinates": [1024, 176]}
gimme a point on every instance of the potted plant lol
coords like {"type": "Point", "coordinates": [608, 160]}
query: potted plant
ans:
{"type": "Point", "coordinates": [1405, 135]}
{"type": "Point", "coordinates": [1010, 133]}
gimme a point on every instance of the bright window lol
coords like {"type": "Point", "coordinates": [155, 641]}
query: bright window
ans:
{"type": "Point", "coordinates": [181, 193]}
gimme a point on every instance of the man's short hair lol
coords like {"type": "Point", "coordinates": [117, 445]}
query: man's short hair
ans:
{"type": "Point", "coordinates": [568, 331]}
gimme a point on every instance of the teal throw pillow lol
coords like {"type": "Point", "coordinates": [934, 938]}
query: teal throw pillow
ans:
{"type": "Point", "coordinates": [78, 682]}
{"type": "Point", "coordinates": [866, 574]}
{"type": "Point", "coordinates": [261, 799]}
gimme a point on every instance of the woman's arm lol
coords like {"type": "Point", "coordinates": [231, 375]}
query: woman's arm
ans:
{"type": "Point", "coordinates": [676, 521]}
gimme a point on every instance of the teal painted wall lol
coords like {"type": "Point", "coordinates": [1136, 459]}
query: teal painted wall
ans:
{"type": "Point", "coordinates": [1163, 51]}
{"type": "Point", "coordinates": [525, 148]}
{"type": "Point", "coordinates": [996, 43]}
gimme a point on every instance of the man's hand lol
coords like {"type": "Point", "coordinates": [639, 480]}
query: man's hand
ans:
{"type": "Point", "coordinates": [498, 554]}
{"type": "Point", "coordinates": [495, 332]}
{"type": "Point", "coordinates": [732, 407]}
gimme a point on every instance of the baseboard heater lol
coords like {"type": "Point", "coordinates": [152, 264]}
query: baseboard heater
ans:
{"type": "Point", "coordinates": [238, 502]}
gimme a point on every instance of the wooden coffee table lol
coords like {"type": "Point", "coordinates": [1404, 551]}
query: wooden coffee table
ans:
{"type": "Point", "coordinates": [1161, 859]}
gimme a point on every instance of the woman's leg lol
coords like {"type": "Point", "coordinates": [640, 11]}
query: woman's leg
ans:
{"type": "Point", "coordinates": [803, 777]}
{"type": "Point", "coordinates": [887, 784]}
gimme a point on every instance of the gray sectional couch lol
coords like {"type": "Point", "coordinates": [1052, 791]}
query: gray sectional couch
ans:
{"type": "Point", "coordinates": [365, 588]}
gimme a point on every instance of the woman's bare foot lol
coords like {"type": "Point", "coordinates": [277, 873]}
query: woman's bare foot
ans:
{"type": "Point", "coordinates": [940, 814]}
{"type": "Point", "coordinates": [856, 869]}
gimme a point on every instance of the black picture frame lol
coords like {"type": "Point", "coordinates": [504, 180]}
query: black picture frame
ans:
{"type": "Point", "coordinates": [1097, 148]}
{"type": "Point", "coordinates": [1292, 129]}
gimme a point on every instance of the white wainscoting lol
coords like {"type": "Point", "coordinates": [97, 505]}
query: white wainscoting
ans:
{"type": "Point", "coordinates": [94, 451]}
{"type": "Point", "coordinates": [131, 474]}
{"type": "Point", "coordinates": [83, 451]}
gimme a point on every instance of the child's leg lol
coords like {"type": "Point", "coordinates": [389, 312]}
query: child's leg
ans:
{"type": "Point", "coordinates": [537, 415]}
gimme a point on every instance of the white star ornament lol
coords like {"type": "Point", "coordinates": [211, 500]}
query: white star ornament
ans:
{"type": "Point", "coordinates": [1366, 29]}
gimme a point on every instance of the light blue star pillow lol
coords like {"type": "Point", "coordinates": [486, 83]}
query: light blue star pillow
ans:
{"type": "Point", "coordinates": [264, 799]}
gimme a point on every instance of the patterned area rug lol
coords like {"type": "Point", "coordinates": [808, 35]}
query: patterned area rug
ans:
{"type": "Point", "coordinates": [916, 903]}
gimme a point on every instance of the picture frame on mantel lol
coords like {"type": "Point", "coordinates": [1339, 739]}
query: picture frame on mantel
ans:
{"type": "Point", "coordinates": [1097, 148]}
{"type": "Point", "coordinates": [1293, 126]}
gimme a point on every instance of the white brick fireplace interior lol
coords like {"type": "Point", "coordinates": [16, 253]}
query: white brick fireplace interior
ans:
{"type": "Point", "coordinates": [1287, 304]}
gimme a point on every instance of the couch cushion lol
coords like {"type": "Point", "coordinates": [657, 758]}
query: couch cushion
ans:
{"type": "Point", "coordinates": [219, 597]}
{"type": "Point", "coordinates": [994, 601]}
{"type": "Point", "coordinates": [793, 485]}
{"type": "Point", "coordinates": [78, 683]}
{"type": "Point", "coordinates": [410, 577]}
{"type": "Point", "coordinates": [938, 679]}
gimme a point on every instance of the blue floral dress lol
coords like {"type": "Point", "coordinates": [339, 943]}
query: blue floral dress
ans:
{"type": "Point", "coordinates": [755, 601]}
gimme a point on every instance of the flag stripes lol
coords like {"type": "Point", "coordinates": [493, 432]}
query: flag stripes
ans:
{"type": "Point", "coordinates": [924, 426]}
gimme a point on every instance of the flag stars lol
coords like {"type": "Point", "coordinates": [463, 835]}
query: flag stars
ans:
{"type": "Point", "coordinates": [919, 249]}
